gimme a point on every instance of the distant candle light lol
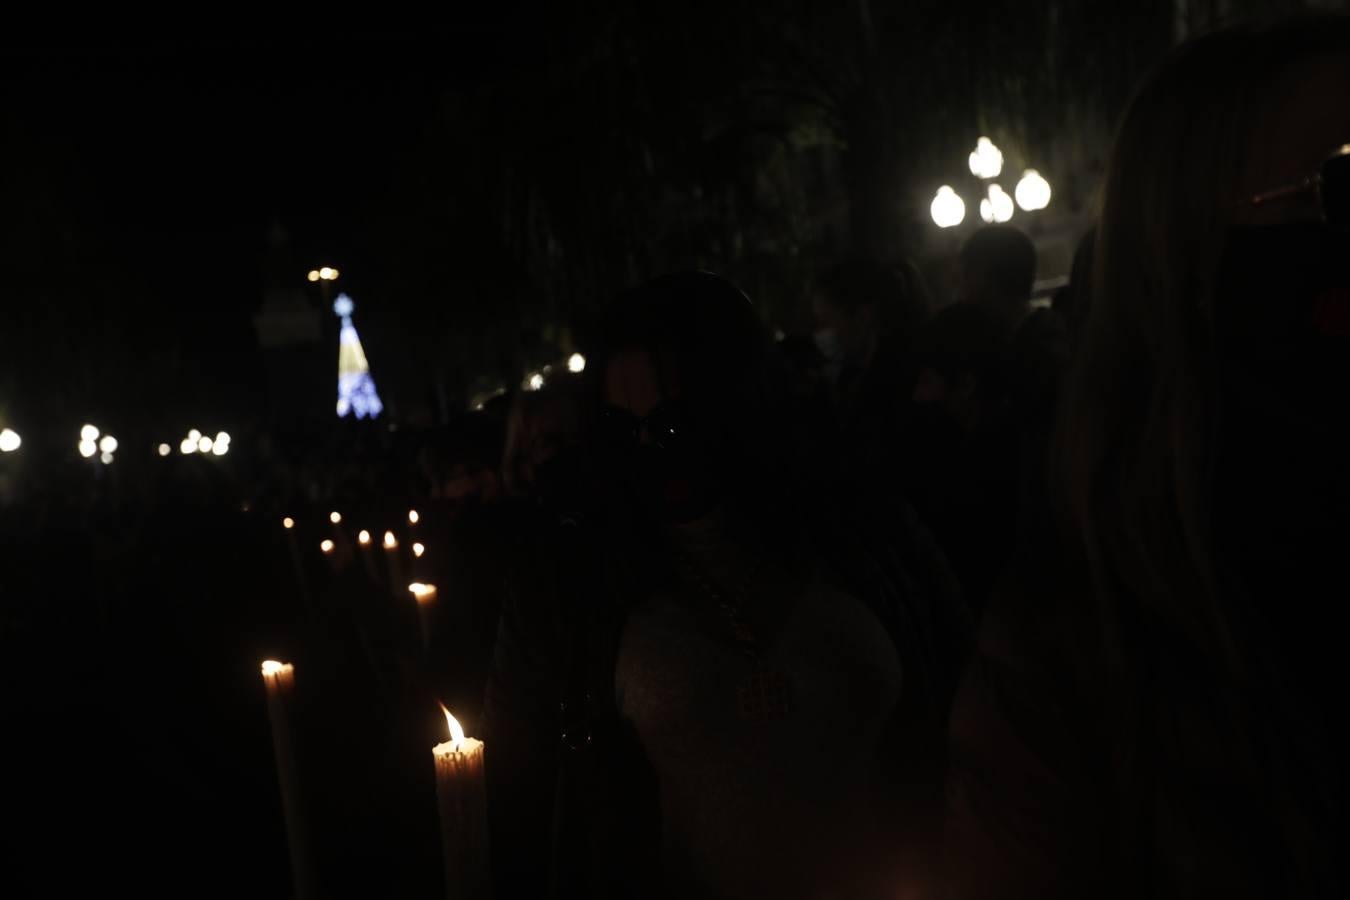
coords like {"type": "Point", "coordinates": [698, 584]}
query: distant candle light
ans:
{"type": "Point", "coordinates": [423, 593]}
{"type": "Point", "coordinates": [335, 517]}
{"type": "Point", "coordinates": [363, 538]}
{"type": "Point", "coordinates": [413, 517]}
{"type": "Point", "coordinates": [165, 449]}
{"type": "Point", "coordinates": [418, 550]}
{"type": "Point", "coordinates": [326, 546]}
{"type": "Point", "coordinates": [288, 523]}
{"type": "Point", "coordinates": [271, 667]}
{"type": "Point", "coordinates": [390, 542]}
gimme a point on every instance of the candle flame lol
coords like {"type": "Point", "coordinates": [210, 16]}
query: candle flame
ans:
{"type": "Point", "coordinates": [413, 517]}
{"type": "Point", "coordinates": [363, 538]}
{"type": "Point", "coordinates": [335, 517]}
{"type": "Point", "coordinates": [419, 549]}
{"type": "Point", "coordinates": [423, 592]}
{"type": "Point", "coordinates": [326, 546]}
{"type": "Point", "coordinates": [390, 542]}
{"type": "Point", "coordinates": [288, 523]}
{"type": "Point", "coordinates": [456, 731]}
{"type": "Point", "coordinates": [271, 667]}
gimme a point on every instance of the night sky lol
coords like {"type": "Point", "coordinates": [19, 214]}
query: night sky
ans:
{"type": "Point", "coordinates": [182, 154]}
{"type": "Point", "coordinates": [484, 182]}
{"type": "Point", "coordinates": [144, 178]}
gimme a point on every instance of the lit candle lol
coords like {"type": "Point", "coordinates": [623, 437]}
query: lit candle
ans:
{"type": "Point", "coordinates": [413, 517]}
{"type": "Point", "coordinates": [279, 679]}
{"type": "Point", "coordinates": [425, 595]}
{"type": "Point", "coordinates": [418, 549]}
{"type": "Point", "coordinates": [300, 580]}
{"type": "Point", "coordinates": [363, 540]}
{"type": "Point", "coordinates": [461, 797]}
{"type": "Point", "coordinates": [335, 517]}
{"type": "Point", "coordinates": [394, 566]}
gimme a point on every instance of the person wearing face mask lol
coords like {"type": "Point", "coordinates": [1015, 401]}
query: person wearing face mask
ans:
{"type": "Point", "coordinates": [1154, 709]}
{"type": "Point", "coordinates": [711, 624]}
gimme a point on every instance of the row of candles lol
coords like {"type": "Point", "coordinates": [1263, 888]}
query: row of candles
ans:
{"type": "Point", "coordinates": [424, 594]}
{"type": "Point", "coordinates": [460, 788]}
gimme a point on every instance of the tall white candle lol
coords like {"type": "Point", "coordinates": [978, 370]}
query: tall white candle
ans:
{"type": "Point", "coordinates": [300, 580]}
{"type": "Point", "coordinates": [279, 679]}
{"type": "Point", "coordinates": [462, 799]}
{"type": "Point", "coordinates": [425, 597]}
{"type": "Point", "coordinates": [394, 566]}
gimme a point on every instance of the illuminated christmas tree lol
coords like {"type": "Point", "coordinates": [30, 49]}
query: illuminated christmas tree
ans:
{"type": "Point", "coordinates": [356, 389]}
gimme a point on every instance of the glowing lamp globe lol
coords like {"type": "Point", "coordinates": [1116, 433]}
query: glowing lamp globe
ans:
{"type": "Point", "coordinates": [1032, 191]}
{"type": "Point", "coordinates": [997, 207]}
{"type": "Point", "coordinates": [948, 210]}
{"type": "Point", "coordinates": [986, 161]}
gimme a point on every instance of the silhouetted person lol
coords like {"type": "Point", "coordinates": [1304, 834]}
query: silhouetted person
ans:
{"type": "Point", "coordinates": [997, 273]}
{"type": "Point", "coordinates": [868, 317]}
{"type": "Point", "coordinates": [708, 622]}
{"type": "Point", "coordinates": [960, 456]}
{"type": "Point", "coordinates": [1156, 706]}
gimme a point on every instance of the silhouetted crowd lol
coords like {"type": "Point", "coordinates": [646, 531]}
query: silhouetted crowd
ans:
{"type": "Point", "coordinates": [990, 600]}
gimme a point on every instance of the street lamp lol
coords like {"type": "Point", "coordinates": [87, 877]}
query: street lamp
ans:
{"type": "Point", "coordinates": [948, 210]}
{"type": "Point", "coordinates": [1032, 191]}
{"type": "Point", "coordinates": [998, 206]}
{"type": "Point", "coordinates": [986, 161]}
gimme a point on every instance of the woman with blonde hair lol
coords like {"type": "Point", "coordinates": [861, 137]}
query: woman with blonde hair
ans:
{"type": "Point", "coordinates": [1151, 711]}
